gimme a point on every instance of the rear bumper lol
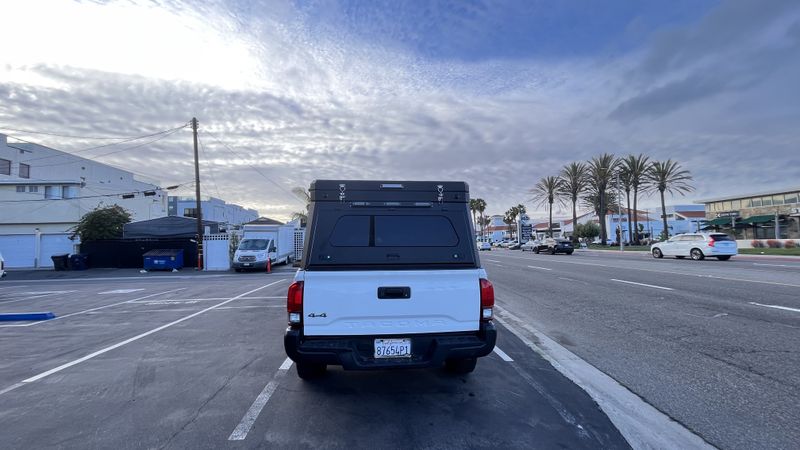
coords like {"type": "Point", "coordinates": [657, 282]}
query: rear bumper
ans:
{"type": "Point", "coordinates": [357, 352]}
{"type": "Point", "coordinates": [261, 265]}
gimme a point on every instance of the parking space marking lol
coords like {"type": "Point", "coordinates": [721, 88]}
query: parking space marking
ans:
{"type": "Point", "coordinates": [241, 430]}
{"type": "Point", "coordinates": [34, 296]}
{"type": "Point", "coordinates": [90, 310]}
{"type": "Point", "coordinates": [540, 268]}
{"type": "Point", "coordinates": [140, 336]}
{"type": "Point", "coordinates": [120, 291]}
{"type": "Point", "coordinates": [786, 308]}
{"type": "Point", "coordinates": [502, 354]}
{"type": "Point", "coordinates": [643, 284]}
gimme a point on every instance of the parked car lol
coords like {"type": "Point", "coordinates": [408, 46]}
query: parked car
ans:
{"type": "Point", "coordinates": [530, 245]}
{"type": "Point", "coordinates": [555, 245]}
{"type": "Point", "coordinates": [389, 288]}
{"type": "Point", "coordinates": [504, 243]}
{"type": "Point", "coordinates": [513, 245]}
{"type": "Point", "coordinates": [484, 245]}
{"type": "Point", "coordinates": [696, 246]}
{"type": "Point", "coordinates": [2, 266]}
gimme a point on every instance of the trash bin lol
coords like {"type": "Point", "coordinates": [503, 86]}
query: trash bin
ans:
{"type": "Point", "coordinates": [163, 259]}
{"type": "Point", "coordinates": [60, 262]}
{"type": "Point", "coordinates": [79, 262]}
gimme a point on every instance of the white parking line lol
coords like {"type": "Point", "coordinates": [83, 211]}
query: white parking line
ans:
{"type": "Point", "coordinates": [120, 291]}
{"type": "Point", "coordinates": [139, 336]}
{"type": "Point", "coordinates": [643, 284]}
{"type": "Point", "coordinates": [240, 433]}
{"type": "Point", "coordinates": [90, 310]}
{"type": "Point", "coordinates": [786, 308]}
{"type": "Point", "coordinates": [540, 268]}
{"type": "Point", "coordinates": [502, 354]}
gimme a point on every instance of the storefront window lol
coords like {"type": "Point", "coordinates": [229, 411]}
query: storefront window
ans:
{"type": "Point", "coordinates": [777, 199]}
{"type": "Point", "coordinates": [736, 204]}
{"type": "Point", "coordinates": [790, 198]}
{"type": "Point", "coordinates": [766, 201]}
{"type": "Point", "coordinates": [726, 206]}
{"type": "Point", "coordinates": [755, 202]}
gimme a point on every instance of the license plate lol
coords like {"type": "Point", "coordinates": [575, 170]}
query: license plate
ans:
{"type": "Point", "coordinates": [392, 348]}
{"type": "Point", "coordinates": [247, 264]}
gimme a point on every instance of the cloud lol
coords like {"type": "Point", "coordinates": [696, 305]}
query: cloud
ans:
{"type": "Point", "coordinates": [318, 97]}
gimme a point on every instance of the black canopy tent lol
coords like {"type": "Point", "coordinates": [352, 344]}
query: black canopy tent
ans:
{"type": "Point", "coordinates": [166, 227]}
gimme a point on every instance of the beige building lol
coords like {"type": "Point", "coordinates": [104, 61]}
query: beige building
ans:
{"type": "Point", "coordinates": [763, 215]}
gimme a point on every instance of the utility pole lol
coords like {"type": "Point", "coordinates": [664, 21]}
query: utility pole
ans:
{"type": "Point", "coordinates": [198, 210]}
{"type": "Point", "coordinates": [619, 215]}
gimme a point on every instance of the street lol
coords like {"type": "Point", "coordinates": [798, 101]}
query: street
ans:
{"type": "Point", "coordinates": [715, 345]}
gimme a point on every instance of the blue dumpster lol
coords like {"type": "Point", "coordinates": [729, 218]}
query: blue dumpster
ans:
{"type": "Point", "coordinates": [163, 259]}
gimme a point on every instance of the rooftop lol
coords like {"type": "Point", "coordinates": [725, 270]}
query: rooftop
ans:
{"type": "Point", "coordinates": [754, 194]}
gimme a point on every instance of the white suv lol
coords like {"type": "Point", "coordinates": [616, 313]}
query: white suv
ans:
{"type": "Point", "coordinates": [696, 246]}
{"type": "Point", "coordinates": [391, 278]}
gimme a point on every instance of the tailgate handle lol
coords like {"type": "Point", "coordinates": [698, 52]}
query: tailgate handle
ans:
{"type": "Point", "coordinates": [394, 292]}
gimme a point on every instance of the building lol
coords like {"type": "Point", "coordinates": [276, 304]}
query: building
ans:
{"type": "Point", "coordinates": [213, 209]}
{"type": "Point", "coordinates": [680, 219]}
{"type": "Point", "coordinates": [762, 215]}
{"type": "Point", "coordinates": [50, 190]}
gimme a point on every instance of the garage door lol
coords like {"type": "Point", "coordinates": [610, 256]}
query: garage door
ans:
{"type": "Point", "coordinates": [54, 244]}
{"type": "Point", "coordinates": [17, 250]}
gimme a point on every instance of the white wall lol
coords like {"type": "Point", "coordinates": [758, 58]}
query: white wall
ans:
{"type": "Point", "coordinates": [30, 250]}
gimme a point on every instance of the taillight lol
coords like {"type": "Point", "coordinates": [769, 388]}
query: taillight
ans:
{"type": "Point", "coordinates": [487, 299]}
{"type": "Point", "coordinates": [294, 302]}
{"type": "Point", "coordinates": [711, 242]}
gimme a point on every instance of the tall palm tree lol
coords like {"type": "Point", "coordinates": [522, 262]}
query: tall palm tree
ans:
{"type": "Point", "coordinates": [573, 183]}
{"type": "Point", "coordinates": [668, 176]}
{"type": "Point", "coordinates": [591, 199]}
{"type": "Point", "coordinates": [601, 173]}
{"type": "Point", "coordinates": [303, 194]}
{"type": "Point", "coordinates": [480, 207]}
{"type": "Point", "coordinates": [624, 177]}
{"type": "Point", "coordinates": [545, 192]}
{"type": "Point", "coordinates": [636, 166]}
{"type": "Point", "coordinates": [510, 218]}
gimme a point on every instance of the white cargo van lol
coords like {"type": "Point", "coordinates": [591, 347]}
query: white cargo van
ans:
{"type": "Point", "coordinates": [264, 242]}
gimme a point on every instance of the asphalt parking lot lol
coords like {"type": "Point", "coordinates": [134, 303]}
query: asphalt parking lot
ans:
{"type": "Point", "coordinates": [197, 361]}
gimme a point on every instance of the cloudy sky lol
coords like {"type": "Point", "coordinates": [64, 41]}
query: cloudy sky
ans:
{"type": "Point", "coordinates": [496, 93]}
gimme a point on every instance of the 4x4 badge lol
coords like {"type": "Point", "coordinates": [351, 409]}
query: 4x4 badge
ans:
{"type": "Point", "coordinates": [317, 315]}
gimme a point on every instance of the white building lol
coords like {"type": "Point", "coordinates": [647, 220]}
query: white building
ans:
{"type": "Point", "coordinates": [50, 190]}
{"type": "Point", "coordinates": [680, 219]}
{"type": "Point", "coordinates": [212, 208]}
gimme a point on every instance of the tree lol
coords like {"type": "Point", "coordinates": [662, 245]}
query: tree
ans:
{"type": "Point", "coordinates": [546, 192]}
{"type": "Point", "coordinates": [637, 166]}
{"type": "Point", "coordinates": [473, 209]}
{"type": "Point", "coordinates": [601, 172]}
{"type": "Point", "coordinates": [303, 194]}
{"type": "Point", "coordinates": [667, 176]}
{"type": "Point", "coordinates": [480, 207]}
{"type": "Point", "coordinates": [587, 230]}
{"type": "Point", "coordinates": [591, 199]}
{"type": "Point", "coordinates": [511, 215]}
{"type": "Point", "coordinates": [102, 223]}
{"type": "Point", "coordinates": [573, 183]}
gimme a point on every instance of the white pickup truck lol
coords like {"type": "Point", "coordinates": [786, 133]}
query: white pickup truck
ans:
{"type": "Point", "coordinates": [391, 279]}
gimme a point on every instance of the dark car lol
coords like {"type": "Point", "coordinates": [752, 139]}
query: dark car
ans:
{"type": "Point", "coordinates": [555, 245]}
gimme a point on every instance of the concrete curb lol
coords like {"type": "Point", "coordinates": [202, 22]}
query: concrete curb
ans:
{"type": "Point", "coordinates": [9, 317]}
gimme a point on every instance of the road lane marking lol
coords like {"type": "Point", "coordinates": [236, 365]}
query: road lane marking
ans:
{"type": "Point", "coordinates": [241, 430]}
{"type": "Point", "coordinates": [120, 291]}
{"type": "Point", "coordinates": [140, 336]}
{"type": "Point", "coordinates": [563, 261]}
{"type": "Point", "coordinates": [786, 308]}
{"type": "Point", "coordinates": [502, 354]}
{"type": "Point", "coordinates": [775, 265]}
{"type": "Point", "coordinates": [642, 425]}
{"type": "Point", "coordinates": [493, 260]}
{"type": "Point", "coordinates": [540, 268]}
{"type": "Point", "coordinates": [643, 284]}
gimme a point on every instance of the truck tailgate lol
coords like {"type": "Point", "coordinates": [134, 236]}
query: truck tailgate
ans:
{"type": "Point", "coordinates": [391, 302]}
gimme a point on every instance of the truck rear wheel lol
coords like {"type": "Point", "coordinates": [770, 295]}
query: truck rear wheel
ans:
{"type": "Point", "coordinates": [460, 366]}
{"type": "Point", "coordinates": [307, 371]}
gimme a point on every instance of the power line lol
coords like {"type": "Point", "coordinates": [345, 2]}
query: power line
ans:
{"type": "Point", "coordinates": [291, 194]}
{"type": "Point", "coordinates": [118, 194]}
{"type": "Point", "coordinates": [71, 136]}
{"type": "Point", "coordinates": [163, 136]}
{"type": "Point", "coordinates": [122, 141]}
{"type": "Point", "coordinates": [210, 168]}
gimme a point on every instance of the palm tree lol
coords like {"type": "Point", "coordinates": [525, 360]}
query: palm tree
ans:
{"type": "Point", "coordinates": [601, 172]}
{"type": "Point", "coordinates": [480, 207]}
{"type": "Point", "coordinates": [591, 200]}
{"type": "Point", "coordinates": [667, 176]}
{"type": "Point", "coordinates": [304, 195]}
{"type": "Point", "coordinates": [624, 178]}
{"type": "Point", "coordinates": [573, 183]}
{"type": "Point", "coordinates": [636, 166]}
{"type": "Point", "coordinates": [509, 218]}
{"type": "Point", "coordinates": [546, 192]}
